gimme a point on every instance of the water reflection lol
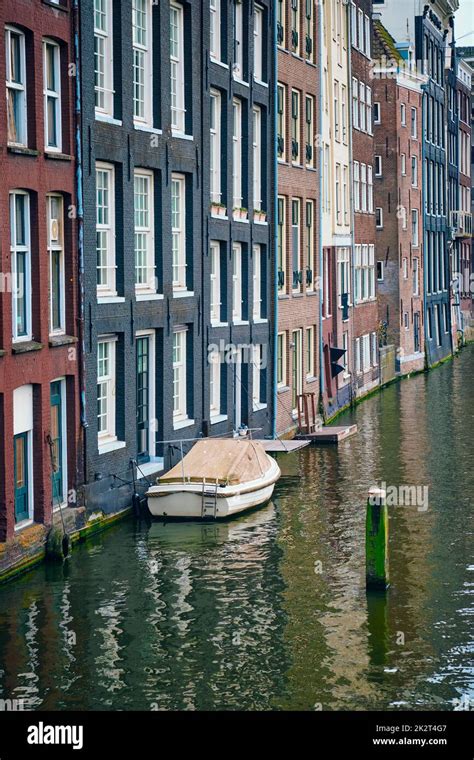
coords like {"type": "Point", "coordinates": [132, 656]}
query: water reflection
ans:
{"type": "Point", "coordinates": [270, 611]}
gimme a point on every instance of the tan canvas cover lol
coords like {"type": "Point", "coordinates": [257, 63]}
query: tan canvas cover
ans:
{"type": "Point", "coordinates": [227, 461]}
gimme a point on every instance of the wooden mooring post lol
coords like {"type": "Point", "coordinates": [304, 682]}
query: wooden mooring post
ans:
{"type": "Point", "coordinates": [376, 541]}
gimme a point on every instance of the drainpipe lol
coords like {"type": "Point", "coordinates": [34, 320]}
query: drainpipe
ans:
{"type": "Point", "coordinates": [80, 226]}
{"type": "Point", "coordinates": [275, 220]}
{"type": "Point", "coordinates": [351, 190]}
{"type": "Point", "coordinates": [320, 231]}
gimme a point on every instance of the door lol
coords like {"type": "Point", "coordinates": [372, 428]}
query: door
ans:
{"type": "Point", "coordinates": [416, 329]}
{"type": "Point", "coordinates": [57, 475]}
{"type": "Point", "coordinates": [143, 399]}
{"type": "Point", "coordinates": [20, 465]}
{"type": "Point", "coordinates": [297, 374]}
{"type": "Point", "coordinates": [237, 389]}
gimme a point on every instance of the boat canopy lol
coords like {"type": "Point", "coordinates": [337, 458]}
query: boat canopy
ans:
{"type": "Point", "coordinates": [220, 460]}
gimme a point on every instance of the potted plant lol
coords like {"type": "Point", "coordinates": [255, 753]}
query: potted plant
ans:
{"type": "Point", "coordinates": [259, 215]}
{"type": "Point", "coordinates": [218, 209]}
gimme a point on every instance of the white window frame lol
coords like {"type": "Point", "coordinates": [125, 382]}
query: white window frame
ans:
{"type": "Point", "coordinates": [403, 115]}
{"type": "Point", "coordinates": [142, 48]}
{"type": "Point", "coordinates": [109, 381]}
{"type": "Point", "coordinates": [281, 244]}
{"type": "Point", "coordinates": [310, 245]}
{"type": "Point", "coordinates": [55, 243]}
{"type": "Point", "coordinates": [368, 109]}
{"type": "Point", "coordinates": [415, 225]}
{"type": "Point", "coordinates": [258, 43]}
{"type": "Point", "coordinates": [296, 125]}
{"type": "Point", "coordinates": [20, 88]}
{"type": "Point", "coordinates": [215, 29]}
{"type": "Point", "coordinates": [103, 37]}
{"type": "Point", "coordinates": [215, 366]}
{"type": "Point", "coordinates": [355, 103]}
{"type": "Point", "coordinates": [151, 335]}
{"type": "Point", "coordinates": [179, 375]}
{"type": "Point", "coordinates": [363, 188]}
{"type": "Point", "coordinates": [310, 354]}
{"type": "Point", "coordinates": [416, 280]}
{"type": "Point", "coordinates": [356, 186]}
{"type": "Point", "coordinates": [379, 210]}
{"type": "Point", "coordinates": [238, 41]}
{"type": "Point", "coordinates": [178, 232]}
{"type": "Point", "coordinates": [146, 230]}
{"type": "Point", "coordinates": [15, 249]}
{"type": "Point", "coordinates": [370, 190]}
{"type": "Point", "coordinates": [374, 347]}
{"type": "Point", "coordinates": [378, 166]}
{"type": "Point", "coordinates": [295, 238]}
{"type": "Point", "coordinates": [108, 229]}
{"type": "Point", "coordinates": [309, 124]}
{"type": "Point", "coordinates": [257, 360]}
{"type": "Point", "coordinates": [257, 281]}
{"type": "Point", "coordinates": [178, 110]}
{"type": "Point", "coordinates": [52, 94]}
{"type": "Point", "coordinates": [363, 109]}
{"type": "Point", "coordinates": [215, 146]}
{"type": "Point", "coordinates": [257, 157]}
{"type": "Point", "coordinates": [281, 118]}
{"type": "Point", "coordinates": [414, 123]}
{"type": "Point", "coordinates": [236, 153]}
{"type": "Point", "coordinates": [414, 171]}
{"type": "Point", "coordinates": [215, 277]}
{"type": "Point", "coordinates": [377, 113]}
{"type": "Point", "coordinates": [236, 282]}
{"type": "Point", "coordinates": [281, 344]}
{"type": "Point", "coordinates": [403, 164]}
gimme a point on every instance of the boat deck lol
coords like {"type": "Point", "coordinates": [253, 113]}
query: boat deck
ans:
{"type": "Point", "coordinates": [283, 447]}
{"type": "Point", "coordinates": [331, 434]}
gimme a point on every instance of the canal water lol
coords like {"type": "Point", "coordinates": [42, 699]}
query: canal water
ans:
{"type": "Point", "coordinates": [270, 611]}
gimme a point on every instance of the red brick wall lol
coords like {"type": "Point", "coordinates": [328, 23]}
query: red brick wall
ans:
{"type": "Point", "coordinates": [39, 175]}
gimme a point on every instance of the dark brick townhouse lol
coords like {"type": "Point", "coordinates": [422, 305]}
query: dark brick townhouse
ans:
{"type": "Point", "coordinates": [40, 454]}
{"type": "Point", "coordinates": [364, 364]}
{"type": "Point", "coordinates": [397, 92]}
{"type": "Point", "coordinates": [237, 303]}
{"type": "Point", "coordinates": [297, 222]}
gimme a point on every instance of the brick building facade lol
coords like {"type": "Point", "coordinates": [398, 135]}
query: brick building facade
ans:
{"type": "Point", "coordinates": [40, 452]}
{"type": "Point", "coordinates": [398, 200]}
{"type": "Point", "coordinates": [298, 96]}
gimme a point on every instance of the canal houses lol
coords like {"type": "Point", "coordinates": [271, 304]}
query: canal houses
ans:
{"type": "Point", "coordinates": [40, 441]}
{"type": "Point", "coordinates": [298, 212]}
{"type": "Point", "coordinates": [397, 93]}
{"type": "Point", "coordinates": [238, 211]}
{"type": "Point", "coordinates": [336, 219]}
{"type": "Point", "coordinates": [366, 169]}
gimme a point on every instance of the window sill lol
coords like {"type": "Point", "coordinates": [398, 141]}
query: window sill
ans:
{"type": "Point", "coordinates": [61, 340]}
{"type": "Point", "coordinates": [218, 418]}
{"type": "Point", "coordinates": [180, 424]}
{"type": "Point", "coordinates": [260, 82]}
{"type": "Point", "coordinates": [215, 60]}
{"type": "Point", "coordinates": [183, 293]}
{"type": "Point", "coordinates": [311, 379]}
{"type": "Point", "coordinates": [104, 448]}
{"type": "Point", "coordinates": [106, 119]}
{"type": "Point", "coordinates": [240, 322]}
{"type": "Point", "coordinates": [283, 389]}
{"type": "Point", "coordinates": [110, 299]}
{"type": "Point", "coordinates": [239, 80]}
{"type": "Point", "coordinates": [181, 135]}
{"type": "Point", "coordinates": [149, 296]}
{"type": "Point", "coordinates": [262, 224]}
{"type": "Point", "coordinates": [57, 155]}
{"type": "Point", "coordinates": [147, 128]}
{"type": "Point", "coordinates": [21, 150]}
{"type": "Point", "coordinates": [241, 221]}
{"type": "Point", "coordinates": [219, 324]}
{"type": "Point", "coordinates": [23, 524]}
{"type": "Point", "coordinates": [258, 407]}
{"type": "Point", "coordinates": [56, 6]}
{"type": "Point", "coordinates": [224, 217]}
{"type": "Point", "coordinates": [25, 346]}
{"type": "Point", "coordinates": [259, 321]}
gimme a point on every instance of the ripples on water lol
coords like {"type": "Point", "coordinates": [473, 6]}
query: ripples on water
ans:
{"type": "Point", "coordinates": [270, 611]}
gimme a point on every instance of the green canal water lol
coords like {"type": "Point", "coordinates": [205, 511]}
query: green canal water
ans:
{"type": "Point", "coordinates": [270, 611]}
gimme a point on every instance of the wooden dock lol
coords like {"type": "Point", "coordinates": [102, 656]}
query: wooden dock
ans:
{"type": "Point", "coordinates": [330, 434]}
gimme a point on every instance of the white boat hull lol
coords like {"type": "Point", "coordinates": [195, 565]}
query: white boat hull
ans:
{"type": "Point", "coordinates": [184, 500]}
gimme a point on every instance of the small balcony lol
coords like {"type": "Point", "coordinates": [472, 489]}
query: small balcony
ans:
{"type": "Point", "coordinates": [461, 223]}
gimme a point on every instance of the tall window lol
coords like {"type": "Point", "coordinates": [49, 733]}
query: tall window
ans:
{"type": "Point", "coordinates": [215, 29]}
{"type": "Point", "coordinates": [257, 282]}
{"type": "Point", "coordinates": [142, 61]}
{"type": "Point", "coordinates": [177, 67]}
{"type": "Point", "coordinates": [144, 231]}
{"type": "Point", "coordinates": [338, 194]}
{"type": "Point", "coordinates": [310, 245]}
{"type": "Point", "coordinates": [16, 86]}
{"type": "Point", "coordinates": [345, 193]}
{"type": "Point", "coordinates": [236, 282]}
{"type": "Point", "coordinates": [368, 108]}
{"type": "Point", "coordinates": [309, 123]}
{"type": "Point", "coordinates": [344, 113]}
{"type": "Point", "coordinates": [281, 244]}
{"type": "Point", "coordinates": [414, 171]}
{"type": "Point", "coordinates": [295, 26]}
{"type": "Point", "coordinates": [309, 42]}
{"type": "Point", "coordinates": [178, 230]}
{"type": "Point", "coordinates": [257, 368]}
{"type": "Point", "coordinates": [414, 227]}
{"type": "Point", "coordinates": [343, 274]}
{"type": "Point", "coordinates": [363, 186]}
{"type": "Point", "coordinates": [370, 190]}
{"type": "Point", "coordinates": [356, 186]}
{"type": "Point", "coordinates": [310, 363]}
{"type": "Point", "coordinates": [258, 44]}
{"type": "Point", "coordinates": [414, 123]}
{"type": "Point", "coordinates": [215, 146]}
{"type": "Point", "coordinates": [106, 389]}
{"type": "Point", "coordinates": [363, 110]}
{"type": "Point", "coordinates": [237, 153]}
{"type": "Point", "coordinates": [215, 261]}
{"type": "Point", "coordinates": [295, 126]}
{"type": "Point", "coordinates": [337, 135]}
{"type": "Point", "coordinates": [238, 40]}
{"type": "Point", "coordinates": [59, 442]}
{"type": "Point", "coordinates": [20, 251]}
{"type": "Point", "coordinates": [281, 359]}
{"type": "Point", "coordinates": [281, 22]}
{"type": "Point", "coordinates": [179, 376]}
{"type": "Point", "coordinates": [55, 218]}
{"type": "Point", "coordinates": [145, 385]}
{"type": "Point", "coordinates": [355, 103]}
{"type": "Point", "coordinates": [215, 365]}
{"type": "Point", "coordinates": [103, 57]}
{"type": "Point", "coordinates": [295, 242]}
{"type": "Point", "coordinates": [52, 95]}
{"type": "Point", "coordinates": [416, 279]}
{"type": "Point", "coordinates": [105, 229]}
{"type": "Point", "coordinates": [257, 157]}
{"type": "Point", "coordinates": [281, 121]}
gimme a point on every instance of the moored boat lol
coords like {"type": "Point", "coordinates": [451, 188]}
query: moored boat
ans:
{"type": "Point", "coordinates": [218, 478]}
